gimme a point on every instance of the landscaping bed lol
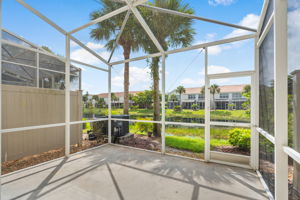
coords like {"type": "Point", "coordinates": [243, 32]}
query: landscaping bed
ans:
{"type": "Point", "coordinates": [14, 165]}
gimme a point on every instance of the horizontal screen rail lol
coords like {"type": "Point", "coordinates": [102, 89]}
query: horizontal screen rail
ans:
{"type": "Point", "coordinates": [292, 153]}
{"type": "Point", "coordinates": [233, 124]}
{"type": "Point", "coordinates": [27, 128]}
{"type": "Point", "coordinates": [267, 135]}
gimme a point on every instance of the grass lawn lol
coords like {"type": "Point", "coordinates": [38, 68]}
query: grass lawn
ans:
{"type": "Point", "coordinates": [240, 115]}
{"type": "Point", "coordinates": [192, 144]}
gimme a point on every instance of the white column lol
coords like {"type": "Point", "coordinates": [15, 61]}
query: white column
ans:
{"type": "Point", "coordinates": [109, 104]}
{"type": "Point", "coordinates": [67, 97]}
{"type": "Point", "coordinates": [163, 106]}
{"type": "Point", "coordinates": [281, 99]}
{"type": "Point", "coordinates": [0, 98]}
{"type": "Point", "coordinates": [254, 161]}
{"type": "Point", "coordinates": [37, 69]}
{"type": "Point", "coordinates": [207, 109]}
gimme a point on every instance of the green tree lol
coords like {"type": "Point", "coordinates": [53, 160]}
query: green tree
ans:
{"type": "Point", "coordinates": [107, 31]}
{"type": "Point", "coordinates": [180, 90]}
{"type": "Point", "coordinates": [85, 98]}
{"type": "Point", "coordinates": [95, 97]}
{"type": "Point", "coordinates": [170, 31]}
{"type": "Point", "coordinates": [143, 99]}
{"type": "Point", "coordinates": [247, 94]}
{"type": "Point", "coordinates": [214, 89]}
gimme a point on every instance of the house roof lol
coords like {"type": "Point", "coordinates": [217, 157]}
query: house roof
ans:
{"type": "Point", "coordinates": [196, 90]}
{"type": "Point", "coordinates": [223, 89]}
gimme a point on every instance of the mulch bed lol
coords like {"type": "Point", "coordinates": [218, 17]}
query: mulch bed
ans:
{"type": "Point", "coordinates": [10, 166]}
{"type": "Point", "coordinates": [232, 149]}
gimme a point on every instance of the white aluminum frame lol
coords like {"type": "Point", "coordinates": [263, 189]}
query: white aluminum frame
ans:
{"type": "Point", "coordinates": [279, 20]}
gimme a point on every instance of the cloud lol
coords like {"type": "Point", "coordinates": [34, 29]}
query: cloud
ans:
{"type": "Point", "coordinates": [212, 69]}
{"type": "Point", "coordinates": [192, 82]}
{"type": "Point", "coordinates": [216, 69]}
{"type": "Point", "coordinates": [82, 55]}
{"type": "Point", "coordinates": [250, 20]}
{"type": "Point", "coordinates": [139, 78]}
{"type": "Point", "coordinates": [221, 2]}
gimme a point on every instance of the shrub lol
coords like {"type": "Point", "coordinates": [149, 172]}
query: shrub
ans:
{"type": "Point", "coordinates": [177, 108]}
{"type": "Point", "coordinates": [134, 107]}
{"type": "Point", "coordinates": [240, 138]}
{"type": "Point", "coordinates": [194, 107]}
{"type": "Point", "coordinates": [144, 127]}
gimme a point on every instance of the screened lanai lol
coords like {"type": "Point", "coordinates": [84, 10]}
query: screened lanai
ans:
{"type": "Point", "coordinates": [142, 101]}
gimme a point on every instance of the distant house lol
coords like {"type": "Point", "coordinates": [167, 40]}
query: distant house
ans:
{"type": "Point", "coordinates": [229, 94]}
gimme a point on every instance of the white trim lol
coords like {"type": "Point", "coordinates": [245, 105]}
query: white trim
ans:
{"type": "Point", "coordinates": [267, 135]}
{"type": "Point", "coordinates": [89, 65]}
{"type": "Point", "coordinates": [262, 16]}
{"type": "Point", "coordinates": [266, 31]}
{"type": "Point", "coordinates": [292, 153]}
{"type": "Point", "coordinates": [88, 49]}
{"type": "Point", "coordinates": [185, 124]}
{"type": "Point", "coordinates": [37, 13]}
{"type": "Point", "coordinates": [163, 105]}
{"type": "Point", "coordinates": [135, 120]}
{"type": "Point", "coordinates": [173, 12]}
{"type": "Point", "coordinates": [1, 98]}
{"type": "Point", "coordinates": [233, 124]}
{"type": "Point", "coordinates": [89, 121]}
{"type": "Point", "coordinates": [215, 43]}
{"type": "Point", "coordinates": [231, 74]}
{"type": "Point", "coordinates": [136, 59]}
{"type": "Point", "coordinates": [27, 128]}
{"type": "Point", "coordinates": [100, 19]}
{"type": "Point", "coordinates": [281, 97]}
{"type": "Point", "coordinates": [207, 108]}
{"type": "Point", "coordinates": [67, 98]}
{"type": "Point", "coordinates": [119, 35]}
{"type": "Point", "coordinates": [109, 104]}
{"type": "Point", "coordinates": [265, 185]}
{"type": "Point", "coordinates": [144, 25]}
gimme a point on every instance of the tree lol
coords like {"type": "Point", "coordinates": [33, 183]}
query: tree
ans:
{"type": "Point", "coordinates": [173, 97]}
{"type": "Point", "coordinates": [85, 97]}
{"type": "Point", "coordinates": [95, 97]}
{"type": "Point", "coordinates": [107, 31]}
{"type": "Point", "coordinates": [180, 90]}
{"type": "Point", "coordinates": [247, 94]}
{"type": "Point", "coordinates": [143, 99]}
{"type": "Point", "coordinates": [214, 89]}
{"type": "Point", "coordinates": [170, 31]}
{"type": "Point", "coordinates": [47, 49]}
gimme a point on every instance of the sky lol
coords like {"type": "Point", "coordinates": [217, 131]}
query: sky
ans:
{"type": "Point", "coordinates": [185, 69]}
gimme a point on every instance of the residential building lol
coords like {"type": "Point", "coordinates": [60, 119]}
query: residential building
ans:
{"type": "Point", "coordinates": [229, 94]}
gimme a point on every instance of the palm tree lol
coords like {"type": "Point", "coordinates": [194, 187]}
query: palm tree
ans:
{"type": "Point", "coordinates": [180, 90]}
{"type": "Point", "coordinates": [108, 30]}
{"type": "Point", "coordinates": [214, 89]}
{"type": "Point", "coordinates": [170, 31]}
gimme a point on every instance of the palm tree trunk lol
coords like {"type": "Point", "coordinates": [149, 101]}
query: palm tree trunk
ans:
{"type": "Point", "coordinates": [156, 99]}
{"type": "Point", "coordinates": [126, 80]}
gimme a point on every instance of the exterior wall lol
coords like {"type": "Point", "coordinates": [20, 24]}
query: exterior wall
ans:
{"type": "Point", "coordinates": [28, 106]}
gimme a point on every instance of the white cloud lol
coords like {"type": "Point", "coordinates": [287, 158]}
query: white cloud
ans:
{"type": "Point", "coordinates": [214, 50]}
{"type": "Point", "coordinates": [221, 2]}
{"type": "Point", "coordinates": [212, 69]}
{"type": "Point", "coordinates": [250, 20]}
{"type": "Point", "coordinates": [215, 69]}
{"type": "Point", "coordinates": [192, 82]}
{"type": "Point", "coordinates": [139, 78]}
{"type": "Point", "coordinates": [82, 55]}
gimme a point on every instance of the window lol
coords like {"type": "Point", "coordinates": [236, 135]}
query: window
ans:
{"type": "Point", "coordinates": [201, 96]}
{"type": "Point", "coordinates": [236, 95]}
{"type": "Point", "coordinates": [224, 96]}
{"type": "Point", "coordinates": [192, 96]}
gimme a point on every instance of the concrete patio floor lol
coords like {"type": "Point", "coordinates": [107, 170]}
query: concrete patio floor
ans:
{"type": "Point", "coordinates": [111, 172]}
